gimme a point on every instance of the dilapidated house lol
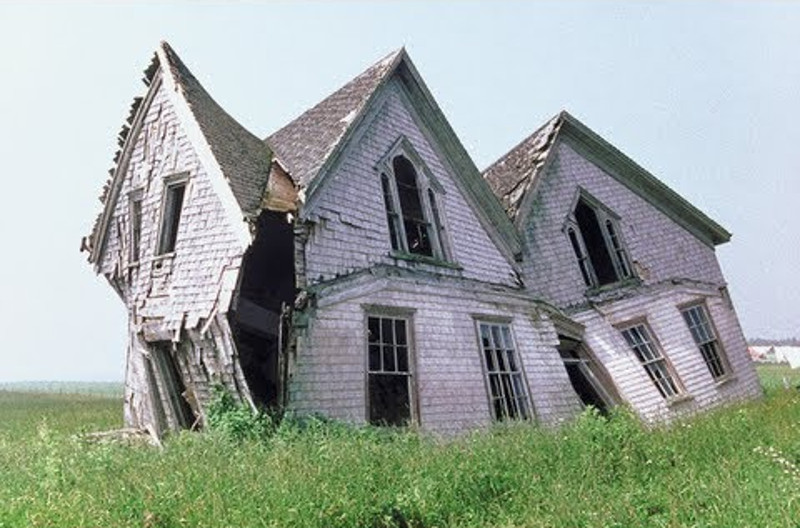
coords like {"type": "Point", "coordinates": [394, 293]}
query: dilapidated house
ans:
{"type": "Point", "coordinates": [357, 264]}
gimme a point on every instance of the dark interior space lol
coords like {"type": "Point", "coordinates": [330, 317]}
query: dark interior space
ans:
{"type": "Point", "coordinates": [267, 283]}
{"type": "Point", "coordinates": [579, 371]}
{"type": "Point", "coordinates": [595, 243]}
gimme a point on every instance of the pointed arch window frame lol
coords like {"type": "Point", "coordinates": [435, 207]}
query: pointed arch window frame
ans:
{"type": "Point", "coordinates": [430, 193]}
{"type": "Point", "coordinates": [609, 224]}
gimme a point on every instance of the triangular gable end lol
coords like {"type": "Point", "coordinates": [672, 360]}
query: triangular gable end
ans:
{"type": "Point", "coordinates": [398, 64]}
{"type": "Point", "coordinates": [157, 75]}
{"type": "Point", "coordinates": [504, 177]}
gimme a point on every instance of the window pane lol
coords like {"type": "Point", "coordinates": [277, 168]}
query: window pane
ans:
{"type": "Point", "coordinates": [389, 399]}
{"type": "Point", "coordinates": [402, 359]}
{"type": "Point", "coordinates": [171, 217]}
{"type": "Point", "coordinates": [387, 331]}
{"type": "Point", "coordinates": [374, 330]}
{"type": "Point", "coordinates": [400, 331]}
{"type": "Point", "coordinates": [507, 392]}
{"type": "Point", "coordinates": [375, 357]}
{"type": "Point", "coordinates": [388, 358]}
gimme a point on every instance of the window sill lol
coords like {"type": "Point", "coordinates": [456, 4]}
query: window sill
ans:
{"type": "Point", "coordinates": [433, 261]}
{"type": "Point", "coordinates": [725, 380]}
{"type": "Point", "coordinates": [605, 288]}
{"type": "Point", "coordinates": [679, 399]}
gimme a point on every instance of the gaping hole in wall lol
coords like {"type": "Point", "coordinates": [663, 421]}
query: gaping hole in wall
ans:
{"type": "Point", "coordinates": [581, 371]}
{"type": "Point", "coordinates": [167, 374]}
{"type": "Point", "coordinates": [595, 243]}
{"type": "Point", "coordinates": [266, 284]}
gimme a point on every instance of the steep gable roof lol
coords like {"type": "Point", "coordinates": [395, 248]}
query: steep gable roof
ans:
{"type": "Point", "coordinates": [239, 162]}
{"type": "Point", "coordinates": [514, 177]}
{"type": "Point", "coordinates": [305, 144]}
{"type": "Point", "coordinates": [310, 143]}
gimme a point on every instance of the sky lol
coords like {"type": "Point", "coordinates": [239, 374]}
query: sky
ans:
{"type": "Point", "coordinates": [705, 95]}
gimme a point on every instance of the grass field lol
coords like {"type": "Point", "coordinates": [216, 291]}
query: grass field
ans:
{"type": "Point", "coordinates": [734, 467]}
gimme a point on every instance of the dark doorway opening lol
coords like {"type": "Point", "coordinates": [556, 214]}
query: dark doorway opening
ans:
{"type": "Point", "coordinates": [584, 375]}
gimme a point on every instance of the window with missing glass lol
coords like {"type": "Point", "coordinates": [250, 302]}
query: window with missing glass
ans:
{"type": "Point", "coordinates": [640, 339]}
{"type": "Point", "coordinates": [389, 371]}
{"type": "Point", "coordinates": [705, 337]}
{"type": "Point", "coordinates": [174, 194]}
{"type": "Point", "coordinates": [508, 395]}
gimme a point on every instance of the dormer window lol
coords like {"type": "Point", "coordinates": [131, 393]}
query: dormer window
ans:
{"type": "Point", "coordinates": [412, 210]}
{"type": "Point", "coordinates": [594, 235]}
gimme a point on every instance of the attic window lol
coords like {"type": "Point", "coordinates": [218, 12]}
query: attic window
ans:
{"type": "Point", "coordinates": [412, 209]}
{"type": "Point", "coordinates": [594, 236]}
{"type": "Point", "coordinates": [171, 216]}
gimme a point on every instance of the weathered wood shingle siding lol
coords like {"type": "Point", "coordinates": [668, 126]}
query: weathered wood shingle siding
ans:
{"type": "Point", "coordinates": [663, 248]}
{"type": "Point", "coordinates": [351, 231]}
{"type": "Point", "coordinates": [675, 268]}
{"type": "Point", "coordinates": [330, 370]}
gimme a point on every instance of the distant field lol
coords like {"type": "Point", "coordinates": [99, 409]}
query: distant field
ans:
{"type": "Point", "coordinates": [778, 376]}
{"type": "Point", "coordinates": [104, 388]}
{"type": "Point", "coordinates": [733, 467]}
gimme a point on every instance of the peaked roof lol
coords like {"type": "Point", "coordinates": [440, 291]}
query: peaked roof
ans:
{"type": "Point", "coordinates": [243, 157]}
{"type": "Point", "coordinates": [517, 172]}
{"type": "Point", "coordinates": [304, 145]}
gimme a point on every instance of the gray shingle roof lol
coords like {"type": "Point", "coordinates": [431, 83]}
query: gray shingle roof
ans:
{"type": "Point", "coordinates": [243, 157]}
{"type": "Point", "coordinates": [304, 145]}
{"type": "Point", "coordinates": [511, 176]}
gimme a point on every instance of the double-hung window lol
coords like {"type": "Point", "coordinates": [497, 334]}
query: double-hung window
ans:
{"type": "Point", "coordinates": [413, 212]}
{"type": "Point", "coordinates": [508, 395]}
{"type": "Point", "coordinates": [172, 205]}
{"type": "Point", "coordinates": [594, 235]}
{"type": "Point", "coordinates": [389, 382]}
{"type": "Point", "coordinates": [639, 338]}
{"type": "Point", "coordinates": [705, 337]}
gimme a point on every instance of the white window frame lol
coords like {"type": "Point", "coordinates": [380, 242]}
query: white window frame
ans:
{"type": "Point", "coordinates": [701, 327]}
{"type": "Point", "coordinates": [506, 387]}
{"type": "Point", "coordinates": [609, 224]}
{"type": "Point", "coordinates": [394, 314]}
{"type": "Point", "coordinates": [135, 239]}
{"type": "Point", "coordinates": [170, 182]}
{"type": "Point", "coordinates": [427, 185]}
{"type": "Point", "coordinates": [641, 340]}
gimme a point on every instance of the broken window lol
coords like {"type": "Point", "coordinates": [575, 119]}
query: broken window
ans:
{"type": "Point", "coordinates": [649, 354]}
{"type": "Point", "coordinates": [412, 211]}
{"type": "Point", "coordinates": [507, 392]}
{"type": "Point", "coordinates": [171, 217]}
{"type": "Point", "coordinates": [388, 371]}
{"type": "Point", "coordinates": [580, 370]}
{"type": "Point", "coordinates": [705, 337]}
{"type": "Point", "coordinates": [594, 237]}
{"type": "Point", "coordinates": [135, 216]}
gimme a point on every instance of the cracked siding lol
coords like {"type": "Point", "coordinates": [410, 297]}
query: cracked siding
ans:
{"type": "Point", "coordinates": [351, 232]}
{"type": "Point", "coordinates": [194, 287]}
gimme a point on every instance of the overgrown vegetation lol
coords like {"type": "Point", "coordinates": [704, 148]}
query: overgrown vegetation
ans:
{"type": "Point", "coordinates": [734, 467]}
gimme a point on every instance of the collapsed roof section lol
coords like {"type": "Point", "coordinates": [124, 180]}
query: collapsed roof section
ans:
{"type": "Point", "coordinates": [514, 177]}
{"type": "Point", "coordinates": [238, 161]}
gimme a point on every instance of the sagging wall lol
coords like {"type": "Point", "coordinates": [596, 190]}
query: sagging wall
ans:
{"type": "Point", "coordinates": [182, 296]}
{"type": "Point", "coordinates": [329, 373]}
{"type": "Point", "coordinates": [659, 248]}
{"type": "Point", "coordinates": [660, 309]}
{"type": "Point", "coordinates": [350, 230]}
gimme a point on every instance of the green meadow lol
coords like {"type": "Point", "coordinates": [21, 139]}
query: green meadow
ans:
{"type": "Point", "coordinates": [736, 467]}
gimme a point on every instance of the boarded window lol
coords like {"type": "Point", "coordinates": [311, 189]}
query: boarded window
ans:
{"type": "Point", "coordinates": [388, 371]}
{"type": "Point", "coordinates": [649, 355]}
{"type": "Point", "coordinates": [697, 319]}
{"type": "Point", "coordinates": [171, 217]}
{"type": "Point", "coordinates": [508, 396]}
{"type": "Point", "coordinates": [135, 228]}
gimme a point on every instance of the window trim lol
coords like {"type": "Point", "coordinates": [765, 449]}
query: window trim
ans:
{"type": "Point", "coordinates": [501, 321]}
{"type": "Point", "coordinates": [654, 343]}
{"type": "Point", "coordinates": [719, 349]}
{"type": "Point", "coordinates": [169, 182]}
{"type": "Point", "coordinates": [613, 240]}
{"type": "Point", "coordinates": [407, 315]}
{"type": "Point", "coordinates": [433, 212]}
{"type": "Point", "coordinates": [134, 257]}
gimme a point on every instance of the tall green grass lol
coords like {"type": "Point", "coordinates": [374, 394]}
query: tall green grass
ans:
{"type": "Point", "coordinates": [733, 467]}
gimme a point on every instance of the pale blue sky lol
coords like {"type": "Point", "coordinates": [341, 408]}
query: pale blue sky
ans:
{"type": "Point", "coordinates": [704, 95]}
